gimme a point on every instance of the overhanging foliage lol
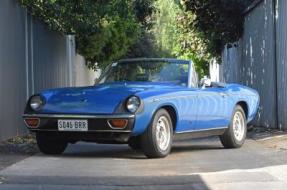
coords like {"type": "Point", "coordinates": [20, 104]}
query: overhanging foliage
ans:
{"type": "Point", "coordinates": [216, 22]}
{"type": "Point", "coordinates": [109, 30]}
{"type": "Point", "coordinates": [105, 30]}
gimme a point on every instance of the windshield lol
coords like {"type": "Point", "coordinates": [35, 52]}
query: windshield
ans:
{"type": "Point", "coordinates": [147, 71]}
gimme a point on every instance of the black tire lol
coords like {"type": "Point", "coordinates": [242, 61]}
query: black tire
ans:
{"type": "Point", "coordinates": [48, 145]}
{"type": "Point", "coordinates": [135, 143]}
{"type": "Point", "coordinates": [150, 146]}
{"type": "Point", "coordinates": [228, 139]}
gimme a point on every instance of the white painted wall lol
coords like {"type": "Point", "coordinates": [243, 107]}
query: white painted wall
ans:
{"type": "Point", "coordinates": [83, 76]}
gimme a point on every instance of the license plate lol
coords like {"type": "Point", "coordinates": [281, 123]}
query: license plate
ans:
{"type": "Point", "coordinates": [73, 125]}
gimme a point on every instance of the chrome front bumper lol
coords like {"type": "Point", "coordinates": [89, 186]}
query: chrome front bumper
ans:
{"type": "Point", "coordinates": [96, 123]}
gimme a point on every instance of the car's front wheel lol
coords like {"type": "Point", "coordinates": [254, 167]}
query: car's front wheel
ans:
{"type": "Point", "coordinates": [48, 145]}
{"type": "Point", "coordinates": [157, 139]}
{"type": "Point", "coordinates": [234, 136]}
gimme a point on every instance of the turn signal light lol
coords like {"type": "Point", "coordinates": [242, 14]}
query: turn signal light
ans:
{"type": "Point", "coordinates": [118, 123]}
{"type": "Point", "coordinates": [32, 122]}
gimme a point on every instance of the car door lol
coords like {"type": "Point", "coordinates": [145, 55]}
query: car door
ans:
{"type": "Point", "coordinates": [211, 108]}
{"type": "Point", "coordinates": [186, 103]}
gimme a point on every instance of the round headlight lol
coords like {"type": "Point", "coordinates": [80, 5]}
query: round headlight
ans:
{"type": "Point", "coordinates": [133, 103]}
{"type": "Point", "coordinates": [36, 103]}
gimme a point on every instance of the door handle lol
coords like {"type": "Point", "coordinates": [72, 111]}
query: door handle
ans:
{"type": "Point", "coordinates": [222, 94]}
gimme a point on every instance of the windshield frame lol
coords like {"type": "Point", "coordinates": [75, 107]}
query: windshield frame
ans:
{"type": "Point", "coordinates": [191, 69]}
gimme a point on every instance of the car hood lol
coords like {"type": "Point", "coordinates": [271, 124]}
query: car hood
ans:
{"type": "Point", "coordinates": [101, 99]}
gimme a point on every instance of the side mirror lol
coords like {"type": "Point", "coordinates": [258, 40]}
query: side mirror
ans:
{"type": "Point", "coordinates": [205, 82]}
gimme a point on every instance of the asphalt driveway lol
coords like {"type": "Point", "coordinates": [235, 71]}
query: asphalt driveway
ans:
{"type": "Point", "coordinates": [195, 164]}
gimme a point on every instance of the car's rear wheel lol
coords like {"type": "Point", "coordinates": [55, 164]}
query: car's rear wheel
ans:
{"type": "Point", "coordinates": [135, 143]}
{"type": "Point", "coordinates": [157, 139]}
{"type": "Point", "coordinates": [48, 145]}
{"type": "Point", "coordinates": [235, 135]}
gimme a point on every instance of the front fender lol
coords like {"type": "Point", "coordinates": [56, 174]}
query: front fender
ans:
{"type": "Point", "coordinates": [144, 118]}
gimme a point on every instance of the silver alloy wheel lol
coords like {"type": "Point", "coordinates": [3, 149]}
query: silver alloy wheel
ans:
{"type": "Point", "coordinates": [238, 126]}
{"type": "Point", "coordinates": [163, 133]}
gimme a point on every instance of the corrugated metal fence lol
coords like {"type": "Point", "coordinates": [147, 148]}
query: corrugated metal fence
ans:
{"type": "Point", "coordinates": [32, 58]}
{"type": "Point", "coordinates": [281, 59]}
{"type": "Point", "coordinates": [259, 60]}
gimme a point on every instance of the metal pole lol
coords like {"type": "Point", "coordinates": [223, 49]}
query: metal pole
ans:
{"type": "Point", "coordinates": [27, 54]}
{"type": "Point", "coordinates": [275, 16]}
{"type": "Point", "coordinates": [32, 54]}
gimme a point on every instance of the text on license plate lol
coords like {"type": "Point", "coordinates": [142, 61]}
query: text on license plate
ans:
{"type": "Point", "coordinates": [73, 125]}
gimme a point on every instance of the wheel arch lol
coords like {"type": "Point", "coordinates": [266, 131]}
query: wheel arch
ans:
{"type": "Point", "coordinates": [172, 112]}
{"type": "Point", "coordinates": [244, 106]}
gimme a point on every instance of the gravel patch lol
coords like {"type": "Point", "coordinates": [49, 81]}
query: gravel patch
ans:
{"type": "Point", "coordinates": [271, 138]}
{"type": "Point", "coordinates": [16, 149]}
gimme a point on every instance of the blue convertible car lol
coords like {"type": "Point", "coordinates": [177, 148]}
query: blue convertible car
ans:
{"type": "Point", "coordinates": [145, 103]}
